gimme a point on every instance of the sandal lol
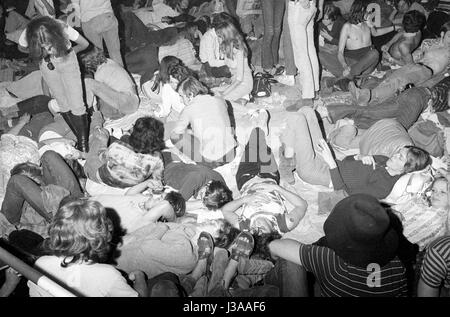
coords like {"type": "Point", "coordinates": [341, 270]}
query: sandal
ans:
{"type": "Point", "coordinates": [242, 246]}
{"type": "Point", "coordinates": [205, 245]}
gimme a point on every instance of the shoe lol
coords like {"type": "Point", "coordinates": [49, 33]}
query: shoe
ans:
{"type": "Point", "coordinates": [80, 127]}
{"type": "Point", "coordinates": [205, 245]}
{"type": "Point", "coordinates": [279, 71]}
{"type": "Point", "coordinates": [288, 80]}
{"type": "Point", "coordinates": [242, 246]}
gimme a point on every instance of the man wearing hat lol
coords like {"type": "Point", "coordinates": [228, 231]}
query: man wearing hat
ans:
{"type": "Point", "coordinates": [363, 252]}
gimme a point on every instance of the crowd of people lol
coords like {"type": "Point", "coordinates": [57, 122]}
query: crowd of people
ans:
{"type": "Point", "coordinates": [145, 211]}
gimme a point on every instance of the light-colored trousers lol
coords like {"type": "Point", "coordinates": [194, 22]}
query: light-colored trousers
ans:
{"type": "Point", "coordinates": [104, 27]}
{"type": "Point", "coordinates": [301, 27]}
{"type": "Point", "coordinates": [303, 133]}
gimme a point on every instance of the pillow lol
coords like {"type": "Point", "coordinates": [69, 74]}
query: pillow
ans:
{"type": "Point", "coordinates": [384, 137]}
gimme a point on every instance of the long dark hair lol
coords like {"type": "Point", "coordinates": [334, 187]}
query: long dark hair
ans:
{"type": "Point", "coordinates": [357, 12]}
{"type": "Point", "coordinates": [46, 30]}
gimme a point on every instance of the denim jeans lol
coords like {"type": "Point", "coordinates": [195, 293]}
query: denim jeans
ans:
{"type": "Point", "coordinates": [398, 79]}
{"type": "Point", "coordinates": [290, 278]}
{"type": "Point", "coordinates": [406, 108]}
{"type": "Point", "coordinates": [288, 51]}
{"type": "Point", "coordinates": [158, 248]}
{"type": "Point", "coordinates": [113, 104]}
{"type": "Point", "coordinates": [142, 60]}
{"type": "Point", "coordinates": [21, 188]}
{"type": "Point", "coordinates": [104, 27]}
{"type": "Point", "coordinates": [138, 35]}
{"type": "Point", "coordinates": [257, 160]}
{"type": "Point", "coordinates": [303, 133]}
{"type": "Point", "coordinates": [362, 61]}
{"type": "Point", "coordinates": [33, 128]}
{"type": "Point", "coordinates": [329, 61]}
{"type": "Point", "coordinates": [64, 82]}
{"type": "Point", "coordinates": [301, 26]}
{"type": "Point", "coordinates": [273, 11]}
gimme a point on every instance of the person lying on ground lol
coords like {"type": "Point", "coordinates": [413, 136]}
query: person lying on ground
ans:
{"type": "Point", "coordinates": [316, 164]}
{"type": "Point", "coordinates": [433, 62]}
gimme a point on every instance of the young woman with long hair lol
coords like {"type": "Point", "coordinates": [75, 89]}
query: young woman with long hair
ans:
{"type": "Point", "coordinates": [234, 51]}
{"type": "Point", "coordinates": [49, 42]}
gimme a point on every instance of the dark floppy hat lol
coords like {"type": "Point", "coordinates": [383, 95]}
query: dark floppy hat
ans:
{"type": "Point", "coordinates": [359, 231]}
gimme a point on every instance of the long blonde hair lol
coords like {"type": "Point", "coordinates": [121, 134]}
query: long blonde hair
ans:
{"type": "Point", "coordinates": [231, 39]}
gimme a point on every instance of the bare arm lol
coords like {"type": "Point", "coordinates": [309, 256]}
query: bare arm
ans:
{"type": "Point", "coordinates": [287, 249]}
{"type": "Point", "coordinates": [194, 205]}
{"type": "Point", "coordinates": [22, 122]}
{"type": "Point", "coordinates": [381, 31]}
{"type": "Point", "coordinates": [345, 32]}
{"type": "Point", "coordinates": [82, 44]}
{"type": "Point", "coordinates": [388, 45]}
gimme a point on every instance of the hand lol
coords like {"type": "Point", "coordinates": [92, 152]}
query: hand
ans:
{"type": "Point", "coordinates": [12, 277]}
{"type": "Point", "coordinates": [324, 151]}
{"type": "Point", "coordinates": [155, 185]}
{"type": "Point", "coordinates": [136, 276]}
{"type": "Point", "coordinates": [366, 159]}
{"type": "Point", "coordinates": [24, 119]}
{"type": "Point", "coordinates": [325, 34]}
{"type": "Point", "coordinates": [346, 72]}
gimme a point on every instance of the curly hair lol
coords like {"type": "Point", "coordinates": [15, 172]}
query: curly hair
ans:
{"type": "Point", "coordinates": [357, 12]}
{"type": "Point", "coordinates": [93, 59]}
{"type": "Point", "coordinates": [80, 230]}
{"type": "Point", "coordinates": [177, 202]}
{"type": "Point", "coordinates": [413, 21]}
{"type": "Point", "coordinates": [46, 31]}
{"type": "Point", "coordinates": [217, 195]}
{"type": "Point", "coordinates": [147, 136]}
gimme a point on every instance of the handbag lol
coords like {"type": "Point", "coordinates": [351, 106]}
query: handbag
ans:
{"type": "Point", "coordinates": [262, 85]}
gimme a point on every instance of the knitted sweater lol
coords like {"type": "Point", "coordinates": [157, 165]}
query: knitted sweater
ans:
{"type": "Point", "coordinates": [355, 177]}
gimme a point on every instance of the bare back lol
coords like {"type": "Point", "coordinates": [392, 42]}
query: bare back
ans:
{"type": "Point", "coordinates": [403, 48]}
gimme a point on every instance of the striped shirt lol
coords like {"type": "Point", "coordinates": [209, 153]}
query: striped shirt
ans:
{"type": "Point", "coordinates": [340, 279]}
{"type": "Point", "coordinates": [444, 5]}
{"type": "Point", "coordinates": [436, 265]}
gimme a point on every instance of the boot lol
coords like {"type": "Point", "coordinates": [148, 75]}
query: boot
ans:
{"type": "Point", "coordinates": [80, 127]}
